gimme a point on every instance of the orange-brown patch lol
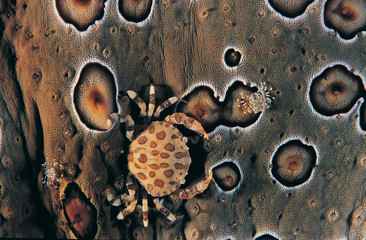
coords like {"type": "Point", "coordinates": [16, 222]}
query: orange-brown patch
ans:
{"type": "Point", "coordinates": [142, 140]}
{"type": "Point", "coordinates": [141, 176]}
{"type": "Point", "coordinates": [178, 165]}
{"type": "Point", "coordinates": [179, 155]}
{"type": "Point", "coordinates": [137, 166]}
{"type": "Point", "coordinates": [164, 165]}
{"type": "Point", "coordinates": [160, 135]}
{"type": "Point", "coordinates": [168, 173]}
{"type": "Point", "coordinates": [137, 149]}
{"type": "Point", "coordinates": [170, 147]}
{"type": "Point", "coordinates": [152, 174]}
{"type": "Point", "coordinates": [154, 152]}
{"type": "Point", "coordinates": [159, 183]}
{"type": "Point", "coordinates": [154, 166]}
{"type": "Point", "coordinates": [130, 157]}
{"type": "Point", "coordinates": [153, 144]}
{"type": "Point", "coordinates": [151, 129]}
{"type": "Point", "coordinates": [142, 158]}
{"type": "Point", "coordinates": [164, 155]}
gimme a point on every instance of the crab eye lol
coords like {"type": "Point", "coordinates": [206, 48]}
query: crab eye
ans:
{"type": "Point", "coordinates": [95, 96]}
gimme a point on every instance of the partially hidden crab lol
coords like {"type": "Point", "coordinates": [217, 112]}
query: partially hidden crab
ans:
{"type": "Point", "coordinates": [158, 158]}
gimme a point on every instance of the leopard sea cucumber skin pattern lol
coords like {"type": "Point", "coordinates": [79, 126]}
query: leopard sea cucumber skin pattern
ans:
{"type": "Point", "coordinates": [180, 46]}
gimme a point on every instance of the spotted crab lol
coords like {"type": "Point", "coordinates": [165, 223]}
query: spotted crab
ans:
{"type": "Point", "coordinates": [158, 159]}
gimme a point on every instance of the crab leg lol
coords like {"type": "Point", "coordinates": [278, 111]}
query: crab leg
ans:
{"type": "Point", "coordinates": [164, 210]}
{"type": "Point", "coordinates": [130, 125]}
{"type": "Point", "coordinates": [140, 103]}
{"type": "Point", "coordinates": [113, 199]}
{"type": "Point", "coordinates": [165, 105]}
{"type": "Point", "coordinates": [188, 122]}
{"type": "Point", "coordinates": [145, 207]}
{"type": "Point", "coordinates": [130, 200]}
{"type": "Point", "coordinates": [195, 188]}
{"type": "Point", "coordinates": [151, 101]}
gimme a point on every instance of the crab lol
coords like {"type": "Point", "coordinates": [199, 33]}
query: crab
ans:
{"type": "Point", "coordinates": [158, 159]}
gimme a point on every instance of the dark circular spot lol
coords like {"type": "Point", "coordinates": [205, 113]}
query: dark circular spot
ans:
{"type": "Point", "coordinates": [227, 176]}
{"type": "Point", "coordinates": [80, 13]}
{"type": "Point", "coordinates": [95, 96]}
{"type": "Point", "coordinates": [135, 10]}
{"type": "Point", "coordinates": [346, 17]}
{"type": "Point", "coordinates": [293, 163]}
{"type": "Point", "coordinates": [290, 8]}
{"type": "Point", "coordinates": [232, 57]}
{"type": "Point", "coordinates": [266, 237]}
{"type": "Point", "coordinates": [335, 91]}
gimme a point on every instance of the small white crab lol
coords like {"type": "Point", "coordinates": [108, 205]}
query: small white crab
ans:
{"type": "Point", "coordinates": [257, 101]}
{"type": "Point", "coordinates": [158, 158]}
{"type": "Point", "coordinates": [49, 168]}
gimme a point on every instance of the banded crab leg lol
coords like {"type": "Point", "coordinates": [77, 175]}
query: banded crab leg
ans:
{"type": "Point", "coordinates": [130, 124]}
{"type": "Point", "coordinates": [188, 122]}
{"type": "Point", "coordinates": [145, 208]}
{"type": "Point", "coordinates": [195, 188]}
{"type": "Point", "coordinates": [151, 107]}
{"type": "Point", "coordinates": [113, 199]}
{"type": "Point", "coordinates": [164, 210]}
{"type": "Point", "coordinates": [165, 105]}
{"type": "Point", "coordinates": [130, 200]}
{"type": "Point", "coordinates": [140, 103]}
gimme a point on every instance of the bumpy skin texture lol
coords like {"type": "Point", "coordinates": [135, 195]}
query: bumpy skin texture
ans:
{"type": "Point", "coordinates": [181, 45]}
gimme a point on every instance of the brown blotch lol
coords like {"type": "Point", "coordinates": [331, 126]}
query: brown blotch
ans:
{"type": "Point", "coordinates": [142, 140]}
{"type": "Point", "coordinates": [143, 158]}
{"type": "Point", "coordinates": [154, 152]}
{"type": "Point", "coordinates": [170, 147]}
{"type": "Point", "coordinates": [168, 173]}
{"type": "Point", "coordinates": [151, 129]}
{"type": "Point", "coordinates": [152, 174]}
{"type": "Point", "coordinates": [174, 136]}
{"type": "Point", "coordinates": [130, 157]}
{"type": "Point", "coordinates": [160, 135]}
{"type": "Point", "coordinates": [141, 176]}
{"type": "Point", "coordinates": [137, 166]}
{"type": "Point", "coordinates": [153, 144]}
{"type": "Point", "coordinates": [179, 155]}
{"type": "Point", "coordinates": [154, 166]}
{"type": "Point", "coordinates": [178, 165]}
{"type": "Point", "coordinates": [164, 155]}
{"type": "Point", "coordinates": [164, 165]}
{"type": "Point", "coordinates": [137, 149]}
{"type": "Point", "coordinates": [159, 183]}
